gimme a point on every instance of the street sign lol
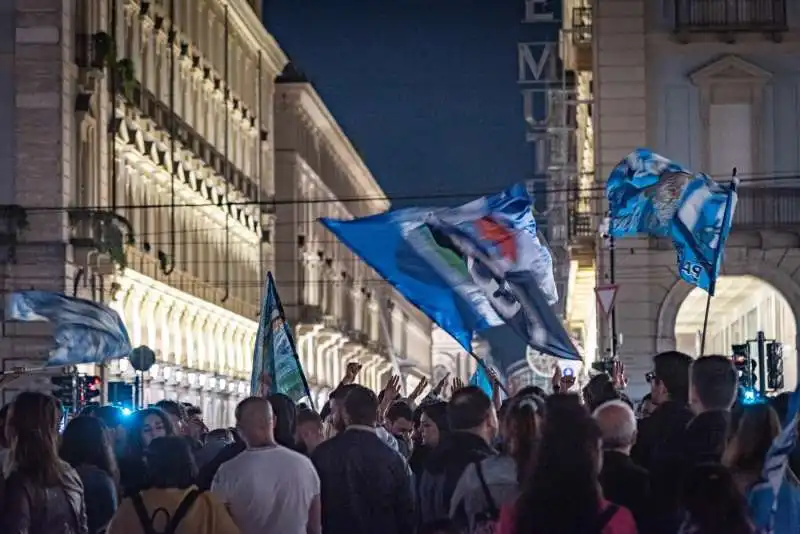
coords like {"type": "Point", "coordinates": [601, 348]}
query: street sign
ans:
{"type": "Point", "coordinates": [606, 296]}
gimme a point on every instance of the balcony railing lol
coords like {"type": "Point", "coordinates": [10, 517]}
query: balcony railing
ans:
{"type": "Point", "coordinates": [724, 16]}
{"type": "Point", "coordinates": [767, 207]}
{"type": "Point", "coordinates": [582, 26]}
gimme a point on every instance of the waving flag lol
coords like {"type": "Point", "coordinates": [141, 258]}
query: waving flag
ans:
{"type": "Point", "coordinates": [275, 352]}
{"type": "Point", "coordinates": [480, 378]}
{"type": "Point", "coordinates": [85, 331]}
{"type": "Point", "coordinates": [764, 495]}
{"type": "Point", "coordinates": [470, 268]}
{"type": "Point", "coordinates": [649, 194]}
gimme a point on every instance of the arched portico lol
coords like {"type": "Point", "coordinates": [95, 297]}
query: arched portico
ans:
{"type": "Point", "coordinates": [780, 280]}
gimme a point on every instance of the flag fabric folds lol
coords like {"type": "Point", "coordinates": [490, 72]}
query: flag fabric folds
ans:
{"type": "Point", "coordinates": [470, 268]}
{"type": "Point", "coordinates": [763, 498]}
{"type": "Point", "coordinates": [85, 331]}
{"type": "Point", "coordinates": [650, 194]}
{"type": "Point", "coordinates": [480, 378]}
{"type": "Point", "coordinates": [275, 353]}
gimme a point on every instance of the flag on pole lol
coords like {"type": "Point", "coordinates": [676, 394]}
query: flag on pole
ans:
{"type": "Point", "coordinates": [469, 269]}
{"type": "Point", "coordinates": [85, 331]}
{"type": "Point", "coordinates": [650, 194]}
{"type": "Point", "coordinates": [275, 353]}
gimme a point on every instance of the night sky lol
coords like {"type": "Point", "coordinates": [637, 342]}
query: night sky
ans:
{"type": "Point", "coordinates": [426, 90]}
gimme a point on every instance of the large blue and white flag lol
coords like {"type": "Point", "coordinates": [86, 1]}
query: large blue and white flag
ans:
{"type": "Point", "coordinates": [650, 194]}
{"type": "Point", "coordinates": [470, 269]}
{"type": "Point", "coordinates": [274, 354]}
{"type": "Point", "coordinates": [763, 498]}
{"type": "Point", "coordinates": [481, 379]}
{"type": "Point", "coordinates": [85, 331]}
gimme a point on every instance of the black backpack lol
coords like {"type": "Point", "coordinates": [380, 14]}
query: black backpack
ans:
{"type": "Point", "coordinates": [173, 521]}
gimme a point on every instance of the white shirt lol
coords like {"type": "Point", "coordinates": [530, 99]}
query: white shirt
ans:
{"type": "Point", "coordinates": [268, 490]}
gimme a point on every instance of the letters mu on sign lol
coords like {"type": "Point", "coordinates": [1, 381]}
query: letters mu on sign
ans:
{"type": "Point", "coordinates": [539, 68]}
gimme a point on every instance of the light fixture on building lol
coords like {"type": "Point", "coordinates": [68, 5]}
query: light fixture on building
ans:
{"type": "Point", "coordinates": [124, 365]}
{"type": "Point", "coordinates": [223, 384]}
{"type": "Point", "coordinates": [212, 383]}
{"type": "Point", "coordinates": [179, 376]}
{"type": "Point", "coordinates": [242, 388]}
{"type": "Point", "coordinates": [231, 387]}
{"type": "Point", "coordinates": [192, 377]}
{"type": "Point", "coordinates": [167, 372]}
{"type": "Point", "coordinates": [202, 379]}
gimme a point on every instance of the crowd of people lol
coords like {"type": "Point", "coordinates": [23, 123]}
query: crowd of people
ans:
{"type": "Point", "coordinates": [683, 461]}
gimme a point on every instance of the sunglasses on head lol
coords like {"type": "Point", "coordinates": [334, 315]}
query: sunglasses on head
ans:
{"type": "Point", "coordinates": [650, 377]}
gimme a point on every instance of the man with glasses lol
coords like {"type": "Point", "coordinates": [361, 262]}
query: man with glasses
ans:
{"type": "Point", "coordinates": [660, 437]}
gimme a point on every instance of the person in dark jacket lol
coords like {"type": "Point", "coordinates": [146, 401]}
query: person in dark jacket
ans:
{"type": "Point", "coordinates": [712, 393]}
{"type": "Point", "coordinates": [660, 437]}
{"type": "Point", "coordinates": [285, 419]}
{"type": "Point", "coordinates": [42, 494]}
{"type": "Point", "coordinates": [365, 486]}
{"type": "Point", "coordinates": [623, 481]}
{"type": "Point", "coordinates": [473, 425]}
{"type": "Point", "coordinates": [85, 445]}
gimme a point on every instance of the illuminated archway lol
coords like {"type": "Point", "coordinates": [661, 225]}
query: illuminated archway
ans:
{"type": "Point", "coordinates": [741, 307]}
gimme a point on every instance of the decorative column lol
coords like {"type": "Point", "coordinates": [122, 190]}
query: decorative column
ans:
{"type": "Point", "coordinates": [177, 312]}
{"type": "Point", "coordinates": [190, 348]}
{"type": "Point", "coordinates": [132, 306]}
{"type": "Point", "coordinates": [148, 316]}
{"type": "Point", "coordinates": [199, 339]}
{"type": "Point", "coordinates": [220, 351]}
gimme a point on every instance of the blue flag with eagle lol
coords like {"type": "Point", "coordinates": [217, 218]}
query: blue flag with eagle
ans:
{"type": "Point", "coordinates": [470, 268]}
{"type": "Point", "coordinates": [650, 194]}
{"type": "Point", "coordinates": [275, 355]}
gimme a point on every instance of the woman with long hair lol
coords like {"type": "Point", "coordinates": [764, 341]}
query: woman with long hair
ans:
{"type": "Point", "coordinates": [146, 425]}
{"type": "Point", "coordinates": [561, 493]}
{"type": "Point", "coordinates": [172, 503]}
{"type": "Point", "coordinates": [713, 504]}
{"type": "Point", "coordinates": [486, 486]}
{"type": "Point", "coordinates": [86, 446]}
{"type": "Point", "coordinates": [745, 456]}
{"type": "Point", "coordinates": [43, 494]}
{"type": "Point", "coordinates": [431, 425]}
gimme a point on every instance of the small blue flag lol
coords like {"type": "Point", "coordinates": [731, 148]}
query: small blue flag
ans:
{"type": "Point", "coordinates": [469, 269]}
{"type": "Point", "coordinates": [480, 378]}
{"type": "Point", "coordinates": [764, 495]}
{"type": "Point", "coordinates": [275, 352]}
{"type": "Point", "coordinates": [650, 194]}
{"type": "Point", "coordinates": [85, 331]}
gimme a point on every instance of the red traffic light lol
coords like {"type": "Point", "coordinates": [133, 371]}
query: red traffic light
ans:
{"type": "Point", "coordinates": [94, 383]}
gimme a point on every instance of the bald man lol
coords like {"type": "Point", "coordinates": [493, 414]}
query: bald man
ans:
{"type": "Point", "coordinates": [268, 488]}
{"type": "Point", "coordinates": [623, 482]}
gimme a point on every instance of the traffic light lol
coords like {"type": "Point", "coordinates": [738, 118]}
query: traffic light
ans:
{"type": "Point", "coordinates": [775, 365]}
{"type": "Point", "coordinates": [91, 388]}
{"type": "Point", "coordinates": [120, 394]}
{"type": "Point", "coordinates": [64, 390]}
{"type": "Point", "coordinates": [745, 365]}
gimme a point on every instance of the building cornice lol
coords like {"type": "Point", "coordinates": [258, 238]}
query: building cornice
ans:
{"type": "Point", "coordinates": [306, 97]}
{"type": "Point", "coordinates": [251, 28]}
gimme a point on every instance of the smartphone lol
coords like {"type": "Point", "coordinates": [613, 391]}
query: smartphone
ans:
{"type": "Point", "coordinates": [567, 372]}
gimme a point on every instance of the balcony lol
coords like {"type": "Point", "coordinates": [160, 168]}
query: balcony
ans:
{"type": "Point", "coordinates": [767, 208]}
{"type": "Point", "coordinates": [576, 41]}
{"type": "Point", "coordinates": [731, 17]}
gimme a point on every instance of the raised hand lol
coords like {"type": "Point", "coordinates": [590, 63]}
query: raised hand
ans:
{"type": "Point", "coordinates": [423, 383]}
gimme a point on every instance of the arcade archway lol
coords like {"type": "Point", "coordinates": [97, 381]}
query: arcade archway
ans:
{"type": "Point", "coordinates": [741, 307]}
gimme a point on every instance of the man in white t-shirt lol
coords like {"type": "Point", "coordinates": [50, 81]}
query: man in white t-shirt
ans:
{"type": "Point", "coordinates": [268, 488]}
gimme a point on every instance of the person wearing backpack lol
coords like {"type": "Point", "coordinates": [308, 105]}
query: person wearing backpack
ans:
{"type": "Point", "coordinates": [172, 504]}
{"type": "Point", "coordinates": [561, 494]}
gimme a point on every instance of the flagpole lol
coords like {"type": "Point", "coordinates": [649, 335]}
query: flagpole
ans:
{"type": "Point", "coordinates": [712, 285]}
{"type": "Point", "coordinates": [390, 348]}
{"type": "Point", "coordinates": [613, 280]}
{"type": "Point", "coordinates": [291, 342]}
{"type": "Point", "coordinates": [490, 373]}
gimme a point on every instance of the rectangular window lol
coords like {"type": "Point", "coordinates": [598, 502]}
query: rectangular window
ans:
{"type": "Point", "coordinates": [730, 140]}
